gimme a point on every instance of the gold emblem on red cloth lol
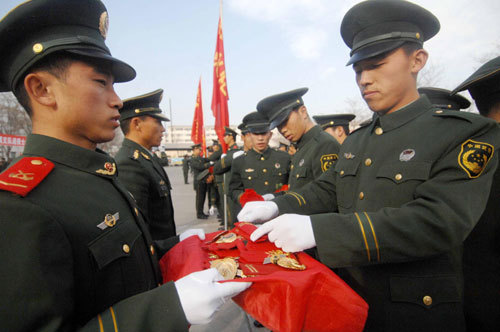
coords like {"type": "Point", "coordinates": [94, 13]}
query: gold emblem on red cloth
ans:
{"type": "Point", "coordinates": [227, 267]}
{"type": "Point", "coordinates": [283, 259]}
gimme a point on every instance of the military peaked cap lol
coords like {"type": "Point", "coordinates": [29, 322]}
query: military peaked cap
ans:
{"type": "Point", "coordinates": [483, 85]}
{"type": "Point", "coordinates": [276, 108]}
{"type": "Point", "coordinates": [229, 131]}
{"type": "Point", "coordinates": [146, 104]}
{"type": "Point", "coordinates": [374, 27]}
{"type": "Point", "coordinates": [333, 120]}
{"type": "Point", "coordinates": [37, 28]}
{"type": "Point", "coordinates": [256, 123]}
{"type": "Point", "coordinates": [243, 128]}
{"type": "Point", "coordinates": [195, 146]}
{"type": "Point", "coordinates": [443, 98]}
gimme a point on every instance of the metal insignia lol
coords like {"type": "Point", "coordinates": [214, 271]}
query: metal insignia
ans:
{"type": "Point", "coordinates": [109, 169]}
{"type": "Point", "coordinates": [145, 156]}
{"type": "Point", "coordinates": [109, 220]}
{"type": "Point", "coordinates": [474, 157]}
{"type": "Point", "coordinates": [136, 154]}
{"type": "Point", "coordinates": [407, 155]}
{"type": "Point", "coordinates": [277, 165]}
{"type": "Point", "coordinates": [283, 259]}
{"type": "Point", "coordinates": [348, 155]}
{"type": "Point", "coordinates": [249, 170]}
{"type": "Point", "coordinates": [227, 267]}
{"type": "Point", "coordinates": [104, 24]}
{"type": "Point", "coordinates": [301, 162]}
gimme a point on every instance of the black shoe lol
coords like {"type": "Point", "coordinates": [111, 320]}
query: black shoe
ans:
{"type": "Point", "coordinates": [202, 216]}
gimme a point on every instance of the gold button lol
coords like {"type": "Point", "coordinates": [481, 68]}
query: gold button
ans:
{"type": "Point", "coordinates": [36, 162]}
{"type": "Point", "coordinates": [427, 300]}
{"type": "Point", "coordinates": [379, 131]}
{"type": "Point", "coordinates": [417, 35]}
{"type": "Point", "coordinates": [342, 172]}
{"type": "Point", "coordinates": [249, 178]}
{"type": "Point", "coordinates": [266, 183]}
{"type": "Point", "coordinates": [368, 162]}
{"type": "Point", "coordinates": [291, 167]}
{"type": "Point", "coordinates": [37, 48]}
{"type": "Point", "coordinates": [264, 170]}
{"type": "Point", "coordinates": [361, 195]}
{"type": "Point", "coordinates": [261, 158]}
{"type": "Point", "coordinates": [126, 248]}
{"type": "Point", "coordinates": [439, 111]}
{"type": "Point", "coordinates": [298, 176]}
{"type": "Point", "coordinates": [398, 177]}
{"type": "Point", "coordinates": [279, 174]}
{"type": "Point", "coordinates": [449, 106]}
{"type": "Point", "coordinates": [136, 211]}
{"type": "Point", "coordinates": [152, 249]}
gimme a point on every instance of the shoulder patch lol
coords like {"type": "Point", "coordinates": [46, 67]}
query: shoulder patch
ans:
{"type": "Point", "coordinates": [328, 160]}
{"type": "Point", "coordinates": [474, 156]}
{"type": "Point", "coordinates": [25, 175]}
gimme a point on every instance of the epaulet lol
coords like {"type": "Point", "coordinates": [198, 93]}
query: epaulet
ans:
{"type": "Point", "coordinates": [25, 175]}
{"type": "Point", "coordinates": [468, 116]}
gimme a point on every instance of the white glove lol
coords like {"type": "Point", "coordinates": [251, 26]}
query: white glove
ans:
{"type": "Point", "coordinates": [201, 295]}
{"type": "Point", "coordinates": [291, 232]}
{"type": "Point", "coordinates": [211, 163]}
{"type": "Point", "coordinates": [212, 210]}
{"type": "Point", "coordinates": [237, 154]}
{"type": "Point", "coordinates": [258, 211]}
{"type": "Point", "coordinates": [193, 231]}
{"type": "Point", "coordinates": [268, 197]}
{"type": "Point", "coordinates": [222, 155]}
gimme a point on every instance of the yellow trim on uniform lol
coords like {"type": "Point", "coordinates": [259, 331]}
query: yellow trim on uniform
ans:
{"type": "Point", "coordinates": [364, 236]}
{"type": "Point", "coordinates": [292, 194]}
{"type": "Point", "coordinates": [114, 318]}
{"type": "Point", "coordinates": [299, 196]}
{"type": "Point", "coordinates": [374, 236]}
{"type": "Point", "coordinates": [223, 164]}
{"type": "Point", "coordinates": [101, 328]}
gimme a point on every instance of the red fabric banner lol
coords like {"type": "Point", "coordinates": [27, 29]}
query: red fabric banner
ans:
{"type": "Point", "coordinates": [220, 95]}
{"type": "Point", "coordinates": [283, 300]}
{"type": "Point", "coordinates": [198, 129]}
{"type": "Point", "coordinates": [12, 140]}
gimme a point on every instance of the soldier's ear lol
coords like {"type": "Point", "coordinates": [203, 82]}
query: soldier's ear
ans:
{"type": "Point", "coordinates": [41, 88]}
{"type": "Point", "coordinates": [418, 60]}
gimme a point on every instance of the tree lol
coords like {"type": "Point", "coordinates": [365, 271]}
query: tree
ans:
{"type": "Point", "coordinates": [13, 120]}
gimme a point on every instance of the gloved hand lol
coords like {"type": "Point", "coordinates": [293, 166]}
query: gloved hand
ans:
{"type": "Point", "coordinates": [237, 154]}
{"type": "Point", "coordinates": [268, 197]}
{"type": "Point", "coordinates": [201, 295]}
{"type": "Point", "coordinates": [193, 231]}
{"type": "Point", "coordinates": [258, 211]}
{"type": "Point", "coordinates": [212, 210]}
{"type": "Point", "coordinates": [290, 232]}
{"type": "Point", "coordinates": [211, 163]}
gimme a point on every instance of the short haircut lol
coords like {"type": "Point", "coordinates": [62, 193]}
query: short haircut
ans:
{"type": "Point", "coordinates": [346, 129]}
{"type": "Point", "coordinates": [125, 125]}
{"type": "Point", "coordinates": [410, 47]}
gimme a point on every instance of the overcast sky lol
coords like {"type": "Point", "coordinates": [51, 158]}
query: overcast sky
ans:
{"type": "Point", "coordinates": [272, 46]}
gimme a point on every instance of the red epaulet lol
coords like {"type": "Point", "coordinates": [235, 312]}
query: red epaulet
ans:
{"type": "Point", "coordinates": [25, 175]}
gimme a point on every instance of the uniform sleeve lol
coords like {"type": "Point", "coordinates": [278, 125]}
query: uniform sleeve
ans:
{"type": "Point", "coordinates": [326, 157]}
{"type": "Point", "coordinates": [444, 210]}
{"type": "Point", "coordinates": [224, 164]}
{"type": "Point", "coordinates": [37, 284]}
{"type": "Point", "coordinates": [236, 187]}
{"type": "Point", "coordinates": [136, 180]}
{"type": "Point", "coordinates": [199, 164]}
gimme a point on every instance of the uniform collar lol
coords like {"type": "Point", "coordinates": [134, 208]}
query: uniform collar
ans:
{"type": "Point", "coordinates": [95, 162]}
{"type": "Point", "coordinates": [134, 145]}
{"type": "Point", "coordinates": [233, 147]}
{"type": "Point", "coordinates": [308, 136]}
{"type": "Point", "coordinates": [258, 155]}
{"type": "Point", "coordinates": [404, 115]}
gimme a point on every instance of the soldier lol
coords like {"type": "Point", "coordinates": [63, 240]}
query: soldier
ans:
{"type": "Point", "coordinates": [212, 194]}
{"type": "Point", "coordinates": [443, 98]}
{"type": "Point", "coordinates": [481, 248]}
{"type": "Point", "coordinates": [140, 170]}
{"type": "Point", "coordinates": [75, 250]}
{"type": "Point", "coordinates": [408, 187]}
{"type": "Point", "coordinates": [199, 164]}
{"type": "Point", "coordinates": [245, 137]}
{"type": "Point", "coordinates": [263, 169]}
{"type": "Point", "coordinates": [185, 167]}
{"type": "Point", "coordinates": [336, 125]}
{"type": "Point", "coordinates": [316, 150]}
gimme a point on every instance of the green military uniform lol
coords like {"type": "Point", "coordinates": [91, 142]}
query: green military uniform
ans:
{"type": "Point", "coordinates": [408, 188]}
{"type": "Point", "coordinates": [142, 174]}
{"type": "Point", "coordinates": [481, 248]}
{"type": "Point", "coordinates": [75, 250]}
{"type": "Point", "coordinates": [334, 120]}
{"type": "Point", "coordinates": [185, 168]}
{"type": "Point", "coordinates": [200, 166]}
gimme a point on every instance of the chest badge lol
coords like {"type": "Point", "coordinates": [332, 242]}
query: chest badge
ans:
{"type": "Point", "coordinates": [301, 162]}
{"type": "Point", "coordinates": [277, 165]}
{"type": "Point", "coordinates": [407, 155]}
{"type": "Point", "coordinates": [249, 170]}
{"type": "Point", "coordinates": [348, 155]}
{"type": "Point", "coordinates": [109, 220]}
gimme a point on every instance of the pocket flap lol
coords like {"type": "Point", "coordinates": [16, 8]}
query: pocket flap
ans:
{"type": "Point", "coordinates": [345, 167]}
{"type": "Point", "coordinates": [405, 171]}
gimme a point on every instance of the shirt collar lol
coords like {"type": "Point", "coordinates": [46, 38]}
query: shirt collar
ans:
{"type": "Point", "coordinates": [95, 162]}
{"type": "Point", "coordinates": [264, 154]}
{"type": "Point", "coordinates": [308, 136]}
{"type": "Point", "coordinates": [404, 115]}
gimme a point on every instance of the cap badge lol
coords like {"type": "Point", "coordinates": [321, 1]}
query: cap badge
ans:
{"type": "Point", "coordinates": [348, 155]}
{"type": "Point", "coordinates": [277, 165]}
{"type": "Point", "coordinates": [37, 48]}
{"type": "Point", "coordinates": [104, 24]}
{"type": "Point", "coordinates": [109, 220]}
{"type": "Point", "coordinates": [109, 169]}
{"type": "Point", "coordinates": [301, 162]}
{"type": "Point", "coordinates": [407, 155]}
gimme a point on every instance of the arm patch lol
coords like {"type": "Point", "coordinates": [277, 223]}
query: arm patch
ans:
{"type": "Point", "coordinates": [474, 156]}
{"type": "Point", "coordinates": [328, 160]}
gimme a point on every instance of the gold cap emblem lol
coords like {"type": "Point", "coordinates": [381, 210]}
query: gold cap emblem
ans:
{"type": "Point", "coordinates": [37, 48]}
{"type": "Point", "coordinates": [104, 24]}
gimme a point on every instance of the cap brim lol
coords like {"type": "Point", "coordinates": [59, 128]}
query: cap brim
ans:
{"type": "Point", "coordinates": [280, 119]}
{"type": "Point", "coordinates": [374, 50]}
{"type": "Point", "coordinates": [121, 71]}
{"type": "Point", "coordinates": [159, 116]}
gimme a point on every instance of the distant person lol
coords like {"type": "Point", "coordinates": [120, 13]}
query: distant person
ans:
{"type": "Point", "coordinates": [186, 161]}
{"type": "Point", "coordinates": [337, 125]}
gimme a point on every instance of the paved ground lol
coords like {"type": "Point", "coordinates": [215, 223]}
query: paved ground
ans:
{"type": "Point", "coordinates": [230, 318]}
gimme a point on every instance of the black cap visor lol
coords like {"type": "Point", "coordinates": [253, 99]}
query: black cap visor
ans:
{"type": "Point", "coordinates": [370, 51]}
{"type": "Point", "coordinates": [280, 118]}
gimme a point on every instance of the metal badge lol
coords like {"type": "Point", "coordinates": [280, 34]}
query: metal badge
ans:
{"type": "Point", "coordinates": [407, 155]}
{"type": "Point", "coordinates": [109, 220]}
{"type": "Point", "coordinates": [301, 162]}
{"type": "Point", "coordinates": [348, 155]}
{"type": "Point", "coordinates": [109, 169]}
{"type": "Point", "coordinates": [249, 170]}
{"type": "Point", "coordinates": [227, 267]}
{"type": "Point", "coordinates": [104, 24]}
{"type": "Point", "coordinates": [277, 165]}
{"type": "Point", "coordinates": [136, 154]}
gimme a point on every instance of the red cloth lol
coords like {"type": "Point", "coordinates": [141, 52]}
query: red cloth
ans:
{"type": "Point", "coordinates": [315, 299]}
{"type": "Point", "coordinates": [249, 195]}
{"type": "Point", "coordinates": [197, 129]}
{"type": "Point", "coordinates": [283, 188]}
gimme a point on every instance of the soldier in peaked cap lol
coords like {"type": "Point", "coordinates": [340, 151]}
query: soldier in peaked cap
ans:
{"type": "Point", "coordinates": [407, 189]}
{"type": "Point", "coordinates": [245, 137]}
{"type": "Point", "coordinates": [443, 98]}
{"type": "Point", "coordinates": [75, 250]}
{"type": "Point", "coordinates": [337, 125]}
{"type": "Point", "coordinates": [481, 249]}
{"type": "Point", "coordinates": [316, 150]}
{"type": "Point", "coordinates": [263, 169]}
{"type": "Point", "coordinates": [141, 171]}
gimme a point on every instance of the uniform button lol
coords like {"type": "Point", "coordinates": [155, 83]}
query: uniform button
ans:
{"type": "Point", "coordinates": [152, 249]}
{"type": "Point", "coordinates": [291, 167]}
{"type": "Point", "coordinates": [266, 183]}
{"type": "Point", "coordinates": [398, 177]}
{"type": "Point", "coordinates": [136, 211]}
{"type": "Point", "coordinates": [261, 158]}
{"type": "Point", "coordinates": [361, 195]}
{"type": "Point", "coordinates": [279, 174]}
{"type": "Point", "coordinates": [368, 162]}
{"type": "Point", "coordinates": [427, 300]}
{"type": "Point", "coordinates": [126, 248]}
{"type": "Point", "coordinates": [379, 131]}
{"type": "Point", "coordinates": [249, 178]}
{"type": "Point", "coordinates": [342, 172]}
{"type": "Point", "coordinates": [264, 170]}
{"type": "Point", "coordinates": [298, 176]}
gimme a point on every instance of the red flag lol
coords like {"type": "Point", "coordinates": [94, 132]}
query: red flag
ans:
{"type": "Point", "coordinates": [198, 130]}
{"type": "Point", "coordinates": [220, 95]}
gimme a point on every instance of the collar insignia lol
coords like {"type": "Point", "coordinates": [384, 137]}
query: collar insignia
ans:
{"type": "Point", "coordinates": [109, 169]}
{"type": "Point", "coordinates": [136, 154]}
{"type": "Point", "coordinates": [145, 156]}
{"type": "Point", "coordinates": [407, 155]}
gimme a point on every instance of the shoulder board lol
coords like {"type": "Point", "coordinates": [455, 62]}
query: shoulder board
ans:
{"type": "Point", "coordinates": [467, 116]}
{"type": "Point", "coordinates": [25, 175]}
